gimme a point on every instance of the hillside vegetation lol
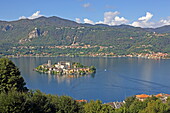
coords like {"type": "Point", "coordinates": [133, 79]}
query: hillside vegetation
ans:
{"type": "Point", "coordinates": [23, 36]}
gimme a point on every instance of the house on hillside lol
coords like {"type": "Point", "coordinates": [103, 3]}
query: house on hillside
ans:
{"type": "Point", "coordinates": [161, 96]}
{"type": "Point", "coordinates": [142, 97]}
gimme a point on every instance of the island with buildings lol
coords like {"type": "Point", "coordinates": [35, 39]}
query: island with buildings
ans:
{"type": "Point", "coordinates": [71, 69]}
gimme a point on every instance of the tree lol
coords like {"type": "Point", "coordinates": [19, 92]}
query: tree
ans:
{"type": "Point", "coordinates": [41, 103]}
{"type": "Point", "coordinates": [10, 77]}
{"type": "Point", "coordinates": [156, 106]}
{"type": "Point", "coordinates": [137, 106]}
{"type": "Point", "coordinates": [67, 104]}
{"type": "Point", "coordinates": [106, 109]}
{"type": "Point", "coordinates": [14, 102]}
{"type": "Point", "coordinates": [93, 106]}
{"type": "Point", "coordinates": [129, 101]}
{"type": "Point", "coordinates": [97, 107]}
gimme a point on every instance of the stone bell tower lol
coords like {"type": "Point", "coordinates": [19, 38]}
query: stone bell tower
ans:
{"type": "Point", "coordinates": [49, 63]}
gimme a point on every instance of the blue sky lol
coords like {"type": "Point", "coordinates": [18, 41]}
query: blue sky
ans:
{"type": "Point", "coordinates": [139, 13]}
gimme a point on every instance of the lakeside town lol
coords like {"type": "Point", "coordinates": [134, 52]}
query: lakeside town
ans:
{"type": "Point", "coordinates": [71, 69]}
{"type": "Point", "coordinates": [31, 51]}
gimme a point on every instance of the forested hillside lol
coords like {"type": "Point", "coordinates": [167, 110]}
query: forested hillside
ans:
{"type": "Point", "coordinates": [54, 31]}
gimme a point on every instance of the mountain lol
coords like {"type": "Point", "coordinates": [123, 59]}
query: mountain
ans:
{"type": "Point", "coordinates": [163, 29]}
{"type": "Point", "coordinates": [55, 31]}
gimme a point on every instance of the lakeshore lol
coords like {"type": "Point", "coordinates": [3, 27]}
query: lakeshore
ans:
{"type": "Point", "coordinates": [156, 56]}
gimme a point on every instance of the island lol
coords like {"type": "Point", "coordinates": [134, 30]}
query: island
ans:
{"type": "Point", "coordinates": [71, 69]}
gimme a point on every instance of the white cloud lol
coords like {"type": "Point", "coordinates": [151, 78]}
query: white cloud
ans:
{"type": "Point", "coordinates": [86, 5]}
{"type": "Point", "coordinates": [78, 20]}
{"type": "Point", "coordinates": [34, 16]}
{"type": "Point", "coordinates": [143, 24]}
{"type": "Point", "coordinates": [120, 20]}
{"type": "Point", "coordinates": [111, 18]}
{"type": "Point", "coordinates": [99, 22]}
{"type": "Point", "coordinates": [144, 21]}
{"type": "Point", "coordinates": [88, 21]}
{"type": "Point", "coordinates": [22, 17]}
{"type": "Point", "coordinates": [164, 22]}
{"type": "Point", "coordinates": [146, 18]}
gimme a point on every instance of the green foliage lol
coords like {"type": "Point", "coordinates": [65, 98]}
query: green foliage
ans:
{"type": "Point", "coordinates": [106, 109]}
{"type": "Point", "coordinates": [10, 77]}
{"type": "Point", "coordinates": [77, 65]}
{"type": "Point", "coordinates": [156, 107]}
{"type": "Point", "coordinates": [14, 102]}
{"type": "Point", "coordinates": [37, 102]}
{"type": "Point", "coordinates": [40, 103]}
{"type": "Point", "coordinates": [137, 106]}
{"type": "Point", "coordinates": [92, 107]}
{"type": "Point", "coordinates": [129, 101]}
{"type": "Point", "coordinates": [97, 107]}
{"type": "Point", "coordinates": [149, 105]}
{"type": "Point", "coordinates": [68, 105]}
{"type": "Point", "coordinates": [92, 69]}
{"type": "Point", "coordinates": [124, 39]}
{"type": "Point", "coordinates": [168, 101]}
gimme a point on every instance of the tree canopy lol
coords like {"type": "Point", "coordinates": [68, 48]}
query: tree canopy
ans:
{"type": "Point", "coordinates": [10, 77]}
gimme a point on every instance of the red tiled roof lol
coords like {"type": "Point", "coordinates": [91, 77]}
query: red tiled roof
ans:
{"type": "Point", "coordinates": [159, 95]}
{"type": "Point", "coordinates": [81, 100]}
{"type": "Point", "coordinates": [142, 96]}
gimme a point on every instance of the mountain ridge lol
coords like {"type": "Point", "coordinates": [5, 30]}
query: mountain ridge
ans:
{"type": "Point", "coordinates": [56, 31]}
{"type": "Point", "coordinates": [59, 18]}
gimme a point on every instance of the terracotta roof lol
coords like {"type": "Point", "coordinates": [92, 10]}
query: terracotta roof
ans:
{"type": "Point", "coordinates": [167, 94]}
{"type": "Point", "coordinates": [159, 95]}
{"type": "Point", "coordinates": [81, 100]}
{"type": "Point", "coordinates": [142, 96]}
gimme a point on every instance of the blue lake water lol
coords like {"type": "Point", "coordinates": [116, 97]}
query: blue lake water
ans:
{"type": "Point", "coordinates": [115, 79]}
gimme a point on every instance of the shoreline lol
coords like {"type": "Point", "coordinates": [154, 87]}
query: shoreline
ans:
{"type": "Point", "coordinates": [121, 56]}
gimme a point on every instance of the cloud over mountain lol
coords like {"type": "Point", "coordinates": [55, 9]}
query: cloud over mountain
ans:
{"type": "Point", "coordinates": [33, 16]}
{"type": "Point", "coordinates": [88, 21]}
{"type": "Point", "coordinates": [78, 20]}
{"type": "Point", "coordinates": [112, 18]}
{"type": "Point", "coordinates": [144, 21]}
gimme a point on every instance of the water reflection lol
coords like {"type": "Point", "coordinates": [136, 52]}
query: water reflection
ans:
{"type": "Point", "coordinates": [123, 77]}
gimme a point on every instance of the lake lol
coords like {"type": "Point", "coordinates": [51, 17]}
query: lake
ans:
{"type": "Point", "coordinates": [115, 78]}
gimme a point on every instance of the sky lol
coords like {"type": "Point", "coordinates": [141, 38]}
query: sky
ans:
{"type": "Point", "coordinates": [138, 13]}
